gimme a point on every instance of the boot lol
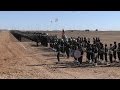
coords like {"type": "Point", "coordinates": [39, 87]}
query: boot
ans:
{"type": "Point", "coordinates": [90, 61]}
{"type": "Point", "coordinates": [96, 64]}
{"type": "Point", "coordinates": [108, 64]}
{"type": "Point", "coordinates": [117, 60]}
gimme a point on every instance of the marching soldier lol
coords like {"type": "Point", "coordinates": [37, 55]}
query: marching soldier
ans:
{"type": "Point", "coordinates": [105, 54]}
{"type": "Point", "coordinates": [111, 53]}
{"type": "Point", "coordinates": [91, 53]}
{"type": "Point", "coordinates": [62, 46]}
{"type": "Point", "coordinates": [58, 51]}
{"type": "Point", "coordinates": [114, 51]}
{"type": "Point", "coordinates": [102, 53]}
{"type": "Point", "coordinates": [88, 52]}
{"type": "Point", "coordinates": [67, 48]}
{"type": "Point", "coordinates": [98, 46]}
{"type": "Point", "coordinates": [95, 54]}
{"type": "Point", "coordinates": [81, 57]}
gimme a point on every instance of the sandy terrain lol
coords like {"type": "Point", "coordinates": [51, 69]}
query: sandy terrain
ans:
{"type": "Point", "coordinates": [23, 60]}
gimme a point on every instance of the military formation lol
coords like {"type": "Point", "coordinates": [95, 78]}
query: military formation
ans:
{"type": "Point", "coordinates": [95, 51]}
{"type": "Point", "coordinates": [37, 37]}
{"type": "Point", "coordinates": [92, 48]}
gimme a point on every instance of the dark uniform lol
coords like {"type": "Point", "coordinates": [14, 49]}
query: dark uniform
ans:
{"type": "Point", "coordinates": [88, 52]}
{"type": "Point", "coordinates": [81, 58]}
{"type": "Point", "coordinates": [62, 46]}
{"type": "Point", "coordinates": [111, 53]}
{"type": "Point", "coordinates": [91, 53]}
{"type": "Point", "coordinates": [101, 52]}
{"type": "Point", "coordinates": [73, 47]}
{"type": "Point", "coordinates": [58, 51]}
{"type": "Point", "coordinates": [114, 50]}
{"type": "Point", "coordinates": [98, 46]}
{"type": "Point", "coordinates": [106, 51]}
{"type": "Point", "coordinates": [95, 53]}
{"type": "Point", "coordinates": [67, 49]}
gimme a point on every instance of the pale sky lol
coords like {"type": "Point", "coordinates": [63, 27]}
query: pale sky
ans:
{"type": "Point", "coordinates": [45, 20]}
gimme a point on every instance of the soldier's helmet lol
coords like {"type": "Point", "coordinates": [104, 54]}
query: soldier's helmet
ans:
{"type": "Point", "coordinates": [110, 45]}
{"type": "Point", "coordinates": [69, 39]}
{"type": "Point", "coordinates": [114, 42]}
{"type": "Point", "coordinates": [105, 45]}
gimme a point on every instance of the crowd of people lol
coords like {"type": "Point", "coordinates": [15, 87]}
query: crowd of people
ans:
{"type": "Point", "coordinates": [96, 51]}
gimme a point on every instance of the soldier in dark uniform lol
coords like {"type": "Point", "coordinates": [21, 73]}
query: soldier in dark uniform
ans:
{"type": "Point", "coordinates": [75, 59]}
{"type": "Point", "coordinates": [88, 52]}
{"type": "Point", "coordinates": [114, 51]}
{"type": "Point", "coordinates": [89, 40]}
{"type": "Point", "coordinates": [81, 58]}
{"type": "Point", "coordinates": [98, 46]}
{"type": "Point", "coordinates": [102, 53]}
{"type": "Point", "coordinates": [105, 54]}
{"type": "Point", "coordinates": [96, 39]}
{"type": "Point", "coordinates": [58, 50]}
{"type": "Point", "coordinates": [84, 42]}
{"type": "Point", "coordinates": [111, 53]}
{"type": "Point", "coordinates": [95, 54]}
{"type": "Point", "coordinates": [78, 39]}
{"type": "Point", "coordinates": [50, 41]}
{"type": "Point", "coordinates": [62, 46]}
{"type": "Point", "coordinates": [94, 42]}
{"type": "Point", "coordinates": [46, 40]}
{"type": "Point", "coordinates": [55, 44]}
{"type": "Point", "coordinates": [91, 53]}
{"type": "Point", "coordinates": [67, 48]}
{"type": "Point", "coordinates": [73, 47]}
{"type": "Point", "coordinates": [82, 39]}
{"type": "Point", "coordinates": [118, 51]}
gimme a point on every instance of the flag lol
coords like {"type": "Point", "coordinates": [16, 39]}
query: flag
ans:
{"type": "Point", "coordinates": [63, 33]}
{"type": "Point", "coordinates": [56, 20]}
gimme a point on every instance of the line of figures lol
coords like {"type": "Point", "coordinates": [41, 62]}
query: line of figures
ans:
{"type": "Point", "coordinates": [95, 51]}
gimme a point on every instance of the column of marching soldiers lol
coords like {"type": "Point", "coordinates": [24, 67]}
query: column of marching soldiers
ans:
{"type": "Point", "coordinates": [96, 51]}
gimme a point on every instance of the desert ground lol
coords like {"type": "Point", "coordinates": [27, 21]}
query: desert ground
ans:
{"type": "Point", "coordinates": [23, 60]}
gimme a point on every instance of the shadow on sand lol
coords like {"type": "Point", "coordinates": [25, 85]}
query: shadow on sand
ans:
{"type": "Point", "coordinates": [46, 49]}
{"type": "Point", "coordinates": [54, 58]}
{"type": "Point", "coordinates": [71, 64]}
{"type": "Point", "coordinates": [49, 55]}
{"type": "Point", "coordinates": [83, 65]}
{"type": "Point", "coordinates": [34, 45]}
{"type": "Point", "coordinates": [32, 65]}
